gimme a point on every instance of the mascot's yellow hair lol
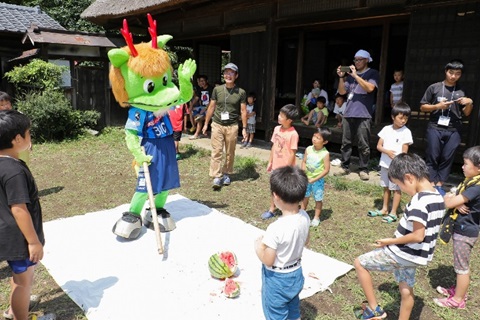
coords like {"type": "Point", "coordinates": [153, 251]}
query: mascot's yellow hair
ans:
{"type": "Point", "coordinates": [148, 63]}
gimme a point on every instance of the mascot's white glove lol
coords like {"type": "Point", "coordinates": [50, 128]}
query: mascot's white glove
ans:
{"type": "Point", "coordinates": [133, 144]}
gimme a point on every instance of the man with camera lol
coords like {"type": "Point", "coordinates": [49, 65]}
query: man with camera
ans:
{"type": "Point", "coordinates": [359, 83]}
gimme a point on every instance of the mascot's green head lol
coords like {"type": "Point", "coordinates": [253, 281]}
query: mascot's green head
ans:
{"type": "Point", "coordinates": [141, 75]}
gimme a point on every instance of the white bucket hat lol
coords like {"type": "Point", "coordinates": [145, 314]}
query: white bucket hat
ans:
{"type": "Point", "coordinates": [363, 54]}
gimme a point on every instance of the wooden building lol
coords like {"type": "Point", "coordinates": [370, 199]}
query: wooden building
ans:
{"type": "Point", "coordinates": [281, 46]}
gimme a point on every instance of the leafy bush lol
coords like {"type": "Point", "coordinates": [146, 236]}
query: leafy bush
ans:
{"type": "Point", "coordinates": [36, 75]}
{"type": "Point", "coordinates": [53, 119]}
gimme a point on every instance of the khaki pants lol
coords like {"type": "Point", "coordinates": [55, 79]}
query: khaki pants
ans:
{"type": "Point", "coordinates": [223, 136]}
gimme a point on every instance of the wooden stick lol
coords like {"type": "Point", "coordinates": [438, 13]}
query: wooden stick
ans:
{"type": "Point", "coordinates": [153, 209]}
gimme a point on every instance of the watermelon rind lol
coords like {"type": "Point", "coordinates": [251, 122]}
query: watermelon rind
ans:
{"type": "Point", "coordinates": [219, 269]}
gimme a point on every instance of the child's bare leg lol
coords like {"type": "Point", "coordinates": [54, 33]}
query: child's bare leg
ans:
{"type": "Point", "coordinates": [272, 205]}
{"type": "Point", "coordinates": [386, 200]}
{"type": "Point", "coordinates": [250, 138]}
{"type": "Point", "coordinates": [407, 301]}
{"type": "Point", "coordinates": [397, 196]}
{"type": "Point", "coordinates": [304, 204]}
{"type": "Point", "coordinates": [21, 286]}
{"type": "Point", "coordinates": [318, 209]}
{"type": "Point", "coordinates": [176, 146]}
{"type": "Point", "coordinates": [463, 281]}
{"type": "Point", "coordinates": [199, 128]}
{"type": "Point", "coordinates": [365, 279]}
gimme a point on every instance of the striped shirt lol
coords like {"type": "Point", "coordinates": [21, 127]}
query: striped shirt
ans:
{"type": "Point", "coordinates": [428, 209]}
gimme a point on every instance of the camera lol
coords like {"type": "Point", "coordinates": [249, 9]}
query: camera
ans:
{"type": "Point", "coordinates": [345, 69]}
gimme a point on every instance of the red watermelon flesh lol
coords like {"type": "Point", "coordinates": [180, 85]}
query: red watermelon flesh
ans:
{"type": "Point", "coordinates": [231, 289]}
{"type": "Point", "coordinates": [228, 258]}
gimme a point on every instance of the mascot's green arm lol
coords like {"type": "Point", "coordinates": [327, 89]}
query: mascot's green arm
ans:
{"type": "Point", "coordinates": [185, 73]}
{"type": "Point", "coordinates": [133, 144]}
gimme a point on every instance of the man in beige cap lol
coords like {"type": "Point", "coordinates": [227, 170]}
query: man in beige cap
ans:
{"type": "Point", "coordinates": [227, 103]}
{"type": "Point", "coordinates": [360, 86]}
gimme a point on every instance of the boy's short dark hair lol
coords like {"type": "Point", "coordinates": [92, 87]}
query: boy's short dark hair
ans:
{"type": "Point", "coordinates": [338, 95]}
{"type": "Point", "coordinates": [5, 96]}
{"type": "Point", "coordinates": [398, 70]}
{"type": "Point", "coordinates": [12, 123]}
{"type": "Point", "coordinates": [200, 76]}
{"type": "Point", "coordinates": [290, 111]}
{"type": "Point", "coordinates": [322, 99]}
{"type": "Point", "coordinates": [289, 183]}
{"type": "Point", "coordinates": [407, 163]}
{"type": "Point", "coordinates": [324, 132]}
{"type": "Point", "coordinates": [251, 94]}
{"type": "Point", "coordinates": [455, 64]}
{"type": "Point", "coordinates": [473, 154]}
{"type": "Point", "coordinates": [401, 108]}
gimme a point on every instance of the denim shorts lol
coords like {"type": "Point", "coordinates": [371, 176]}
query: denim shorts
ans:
{"type": "Point", "coordinates": [380, 260]}
{"type": "Point", "coordinates": [280, 294]}
{"type": "Point", "coordinates": [316, 189]}
{"type": "Point", "coordinates": [20, 266]}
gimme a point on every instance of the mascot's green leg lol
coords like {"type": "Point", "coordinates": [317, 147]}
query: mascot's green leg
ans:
{"type": "Point", "coordinates": [160, 199]}
{"type": "Point", "coordinates": [138, 200]}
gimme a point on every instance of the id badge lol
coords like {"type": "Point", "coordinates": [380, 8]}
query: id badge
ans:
{"type": "Point", "coordinates": [224, 116]}
{"type": "Point", "coordinates": [443, 121]}
{"type": "Point", "coordinates": [350, 96]}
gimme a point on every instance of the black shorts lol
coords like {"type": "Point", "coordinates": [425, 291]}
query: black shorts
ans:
{"type": "Point", "coordinates": [177, 135]}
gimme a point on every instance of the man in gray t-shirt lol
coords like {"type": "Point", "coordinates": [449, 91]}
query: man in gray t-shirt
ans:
{"type": "Point", "coordinates": [359, 85]}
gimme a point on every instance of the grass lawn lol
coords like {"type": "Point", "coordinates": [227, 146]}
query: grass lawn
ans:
{"type": "Point", "coordinates": [94, 173]}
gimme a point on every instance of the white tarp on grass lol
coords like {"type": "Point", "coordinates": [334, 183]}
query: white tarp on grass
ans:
{"type": "Point", "coordinates": [112, 278]}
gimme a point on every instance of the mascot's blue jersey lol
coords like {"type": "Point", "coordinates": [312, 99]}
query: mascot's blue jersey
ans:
{"type": "Point", "coordinates": [156, 135]}
{"type": "Point", "coordinates": [147, 125]}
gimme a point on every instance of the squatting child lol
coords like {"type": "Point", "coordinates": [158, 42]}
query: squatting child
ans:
{"type": "Point", "coordinates": [316, 163]}
{"type": "Point", "coordinates": [280, 248]}
{"type": "Point", "coordinates": [284, 146]}
{"type": "Point", "coordinates": [393, 140]}
{"type": "Point", "coordinates": [317, 116]}
{"type": "Point", "coordinates": [251, 121]}
{"type": "Point", "coordinates": [339, 108]}
{"type": "Point", "coordinates": [466, 202]}
{"type": "Point", "coordinates": [396, 89]}
{"type": "Point", "coordinates": [414, 241]}
{"type": "Point", "coordinates": [21, 238]}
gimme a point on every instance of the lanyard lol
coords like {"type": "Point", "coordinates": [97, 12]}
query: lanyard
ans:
{"type": "Point", "coordinates": [227, 94]}
{"type": "Point", "coordinates": [451, 97]}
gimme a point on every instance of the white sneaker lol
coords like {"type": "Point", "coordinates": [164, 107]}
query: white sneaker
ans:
{"type": "Point", "coordinates": [315, 222]}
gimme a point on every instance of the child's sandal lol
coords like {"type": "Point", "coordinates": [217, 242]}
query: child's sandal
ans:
{"type": "Point", "coordinates": [389, 218]}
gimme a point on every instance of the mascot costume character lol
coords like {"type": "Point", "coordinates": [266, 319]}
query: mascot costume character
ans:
{"type": "Point", "coordinates": [141, 78]}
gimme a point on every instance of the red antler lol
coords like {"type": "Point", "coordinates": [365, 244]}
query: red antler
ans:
{"type": "Point", "coordinates": [152, 29]}
{"type": "Point", "coordinates": [128, 38]}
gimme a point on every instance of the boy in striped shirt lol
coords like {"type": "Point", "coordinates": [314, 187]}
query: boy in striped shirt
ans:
{"type": "Point", "coordinates": [414, 240]}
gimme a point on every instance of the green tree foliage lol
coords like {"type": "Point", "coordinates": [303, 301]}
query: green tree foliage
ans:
{"type": "Point", "coordinates": [42, 100]}
{"type": "Point", "coordinates": [36, 75]}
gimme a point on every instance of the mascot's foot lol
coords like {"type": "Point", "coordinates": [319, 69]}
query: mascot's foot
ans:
{"type": "Point", "coordinates": [128, 226]}
{"type": "Point", "coordinates": [165, 222]}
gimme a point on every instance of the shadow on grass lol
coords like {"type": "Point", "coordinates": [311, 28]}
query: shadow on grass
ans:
{"type": "Point", "coordinates": [442, 276]}
{"type": "Point", "coordinates": [245, 174]}
{"type": "Point", "coordinates": [325, 215]}
{"type": "Point", "coordinates": [46, 192]}
{"type": "Point", "coordinates": [308, 310]}
{"type": "Point", "coordinates": [393, 308]}
{"type": "Point", "coordinates": [212, 204]}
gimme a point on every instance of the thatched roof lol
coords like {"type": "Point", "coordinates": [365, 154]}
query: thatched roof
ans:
{"type": "Point", "coordinates": [101, 11]}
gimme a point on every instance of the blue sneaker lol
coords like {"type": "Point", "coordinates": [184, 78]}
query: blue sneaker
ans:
{"type": "Point", "coordinates": [217, 183]}
{"type": "Point", "coordinates": [378, 313]}
{"type": "Point", "coordinates": [226, 180]}
{"type": "Point", "coordinates": [267, 215]}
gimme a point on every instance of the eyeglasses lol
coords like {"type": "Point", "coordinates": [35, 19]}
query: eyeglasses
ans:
{"type": "Point", "coordinates": [358, 60]}
{"type": "Point", "coordinates": [229, 73]}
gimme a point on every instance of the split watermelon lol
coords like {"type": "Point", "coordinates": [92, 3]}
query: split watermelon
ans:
{"type": "Point", "coordinates": [231, 289]}
{"type": "Point", "coordinates": [222, 265]}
